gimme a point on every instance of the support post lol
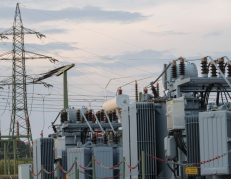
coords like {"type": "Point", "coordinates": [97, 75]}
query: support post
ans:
{"type": "Point", "coordinates": [65, 92]}
{"type": "Point", "coordinates": [93, 166]}
{"type": "Point", "coordinates": [58, 171]}
{"type": "Point", "coordinates": [77, 173]}
{"type": "Point", "coordinates": [5, 167]}
{"type": "Point", "coordinates": [15, 168]}
{"type": "Point", "coordinates": [8, 165]}
{"type": "Point", "coordinates": [143, 164]}
{"type": "Point", "coordinates": [29, 173]}
{"type": "Point", "coordinates": [42, 173]}
{"type": "Point", "coordinates": [123, 168]}
{"type": "Point", "coordinates": [76, 168]}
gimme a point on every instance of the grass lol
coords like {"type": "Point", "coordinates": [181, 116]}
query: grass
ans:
{"type": "Point", "coordinates": [11, 165]}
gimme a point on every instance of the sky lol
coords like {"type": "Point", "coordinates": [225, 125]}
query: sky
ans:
{"type": "Point", "coordinates": [107, 39]}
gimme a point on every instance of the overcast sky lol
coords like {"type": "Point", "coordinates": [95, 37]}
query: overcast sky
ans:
{"type": "Point", "coordinates": [109, 39]}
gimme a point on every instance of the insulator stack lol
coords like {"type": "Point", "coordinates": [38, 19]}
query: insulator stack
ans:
{"type": "Point", "coordinates": [213, 70]}
{"type": "Point", "coordinates": [54, 128]}
{"type": "Point", "coordinates": [114, 116]}
{"type": "Point", "coordinates": [229, 69]}
{"type": "Point", "coordinates": [105, 139]}
{"type": "Point", "coordinates": [17, 132]}
{"type": "Point", "coordinates": [174, 70]}
{"type": "Point", "coordinates": [77, 115]}
{"type": "Point", "coordinates": [158, 89]}
{"type": "Point", "coordinates": [27, 125]}
{"type": "Point", "coordinates": [145, 90]}
{"type": "Point", "coordinates": [94, 139]}
{"type": "Point", "coordinates": [102, 115]}
{"type": "Point", "coordinates": [155, 93]}
{"type": "Point", "coordinates": [182, 67]}
{"type": "Point", "coordinates": [63, 116]}
{"type": "Point", "coordinates": [98, 115]}
{"type": "Point", "coordinates": [204, 66]}
{"type": "Point", "coordinates": [110, 115]}
{"type": "Point", "coordinates": [136, 91]}
{"type": "Point", "coordinates": [90, 115]}
{"type": "Point", "coordinates": [120, 91]}
{"type": "Point", "coordinates": [221, 64]}
{"type": "Point", "coordinates": [86, 114]}
{"type": "Point", "coordinates": [116, 139]}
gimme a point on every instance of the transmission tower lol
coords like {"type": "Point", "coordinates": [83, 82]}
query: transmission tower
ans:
{"type": "Point", "coordinates": [18, 56]}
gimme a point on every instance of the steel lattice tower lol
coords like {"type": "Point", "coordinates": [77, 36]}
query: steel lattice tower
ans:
{"type": "Point", "coordinates": [19, 91]}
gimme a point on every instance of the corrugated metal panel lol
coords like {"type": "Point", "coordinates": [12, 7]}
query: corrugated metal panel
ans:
{"type": "Point", "coordinates": [142, 118]}
{"type": "Point", "coordinates": [193, 140]}
{"type": "Point", "coordinates": [84, 157]}
{"type": "Point", "coordinates": [214, 141]}
{"type": "Point", "coordinates": [104, 155]}
{"type": "Point", "coordinates": [43, 154]}
{"type": "Point", "coordinates": [64, 162]}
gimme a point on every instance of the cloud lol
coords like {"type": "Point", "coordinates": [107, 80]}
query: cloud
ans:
{"type": "Point", "coordinates": [54, 31]}
{"type": "Point", "coordinates": [214, 34]}
{"type": "Point", "coordinates": [87, 13]}
{"type": "Point", "coordinates": [164, 33]}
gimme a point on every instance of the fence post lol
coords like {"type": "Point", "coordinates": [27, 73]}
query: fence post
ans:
{"type": "Point", "coordinates": [29, 173]}
{"type": "Point", "coordinates": [77, 173]}
{"type": "Point", "coordinates": [58, 170]}
{"type": "Point", "coordinates": [75, 167]}
{"type": "Point", "coordinates": [123, 168]}
{"type": "Point", "coordinates": [93, 166]}
{"type": "Point", "coordinates": [143, 164]}
{"type": "Point", "coordinates": [42, 172]}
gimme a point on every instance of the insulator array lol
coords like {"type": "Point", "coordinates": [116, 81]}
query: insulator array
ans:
{"type": "Point", "coordinates": [114, 116]}
{"type": "Point", "coordinates": [94, 139]}
{"type": "Point", "coordinates": [90, 115]}
{"type": "Point", "coordinates": [77, 115]}
{"type": "Point", "coordinates": [174, 70]}
{"type": "Point", "coordinates": [136, 91]}
{"type": "Point", "coordinates": [102, 115]}
{"type": "Point", "coordinates": [98, 115]}
{"type": "Point", "coordinates": [182, 67]}
{"type": "Point", "coordinates": [110, 115]}
{"type": "Point", "coordinates": [63, 116]}
{"type": "Point", "coordinates": [155, 93]}
{"type": "Point", "coordinates": [145, 90]}
{"type": "Point", "coordinates": [229, 69]}
{"type": "Point", "coordinates": [221, 64]}
{"type": "Point", "coordinates": [17, 132]}
{"type": "Point", "coordinates": [93, 118]}
{"type": "Point", "coordinates": [116, 139]}
{"type": "Point", "coordinates": [86, 115]}
{"type": "Point", "coordinates": [158, 89]}
{"type": "Point", "coordinates": [27, 125]}
{"type": "Point", "coordinates": [204, 66]}
{"type": "Point", "coordinates": [120, 91]}
{"type": "Point", "coordinates": [213, 70]}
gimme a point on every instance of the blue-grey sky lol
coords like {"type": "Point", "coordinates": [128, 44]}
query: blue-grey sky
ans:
{"type": "Point", "coordinates": [109, 39]}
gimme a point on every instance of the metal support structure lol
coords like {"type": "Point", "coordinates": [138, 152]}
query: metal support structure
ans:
{"type": "Point", "coordinates": [93, 166]}
{"type": "Point", "coordinates": [123, 168]}
{"type": "Point", "coordinates": [29, 173]}
{"type": "Point", "coordinates": [77, 174]}
{"type": "Point", "coordinates": [15, 163]}
{"type": "Point", "coordinates": [8, 165]}
{"type": "Point", "coordinates": [143, 164]}
{"type": "Point", "coordinates": [140, 96]}
{"type": "Point", "coordinates": [98, 122]}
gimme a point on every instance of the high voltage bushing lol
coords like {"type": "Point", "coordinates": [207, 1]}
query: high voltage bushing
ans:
{"type": "Point", "coordinates": [86, 115]}
{"type": "Point", "coordinates": [110, 115]}
{"type": "Point", "coordinates": [114, 116]}
{"type": "Point", "coordinates": [17, 133]}
{"type": "Point", "coordinates": [213, 70]}
{"type": "Point", "coordinates": [158, 89]}
{"type": "Point", "coordinates": [63, 115]}
{"type": "Point", "coordinates": [98, 115]}
{"type": "Point", "coordinates": [204, 67]}
{"type": "Point", "coordinates": [174, 69]}
{"type": "Point", "coordinates": [182, 67]}
{"type": "Point", "coordinates": [228, 69]}
{"type": "Point", "coordinates": [90, 115]}
{"type": "Point", "coordinates": [94, 139]}
{"type": "Point", "coordinates": [102, 115]}
{"type": "Point", "coordinates": [77, 115]}
{"type": "Point", "coordinates": [120, 91]}
{"type": "Point", "coordinates": [145, 90]}
{"type": "Point", "coordinates": [221, 64]}
{"type": "Point", "coordinates": [136, 91]}
{"type": "Point", "coordinates": [155, 93]}
{"type": "Point", "coordinates": [105, 139]}
{"type": "Point", "coordinates": [54, 128]}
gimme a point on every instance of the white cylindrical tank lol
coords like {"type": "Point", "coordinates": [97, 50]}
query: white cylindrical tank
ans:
{"type": "Point", "coordinates": [117, 102]}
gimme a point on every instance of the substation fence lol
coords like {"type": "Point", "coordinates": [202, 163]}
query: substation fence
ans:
{"type": "Point", "coordinates": [123, 162]}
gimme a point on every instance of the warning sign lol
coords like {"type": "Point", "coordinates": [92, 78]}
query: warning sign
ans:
{"type": "Point", "coordinates": [67, 176]}
{"type": "Point", "coordinates": [191, 170]}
